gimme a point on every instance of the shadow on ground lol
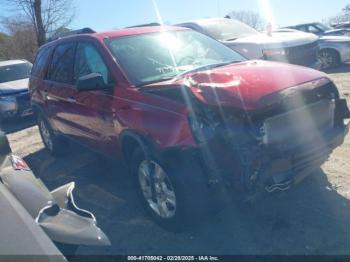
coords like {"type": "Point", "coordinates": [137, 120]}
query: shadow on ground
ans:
{"type": "Point", "coordinates": [15, 125]}
{"type": "Point", "coordinates": [309, 219]}
{"type": "Point", "coordinates": [345, 68]}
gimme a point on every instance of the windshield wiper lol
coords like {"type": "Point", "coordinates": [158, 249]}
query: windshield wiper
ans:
{"type": "Point", "coordinates": [203, 68]}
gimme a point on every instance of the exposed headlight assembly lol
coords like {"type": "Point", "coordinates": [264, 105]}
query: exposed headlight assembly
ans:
{"type": "Point", "coordinates": [201, 128]}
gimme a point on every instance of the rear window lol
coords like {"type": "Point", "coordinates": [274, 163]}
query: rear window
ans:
{"type": "Point", "coordinates": [14, 72]}
{"type": "Point", "coordinates": [40, 61]}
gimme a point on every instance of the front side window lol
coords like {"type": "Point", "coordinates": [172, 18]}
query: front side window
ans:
{"type": "Point", "coordinates": [62, 64]}
{"type": "Point", "coordinates": [161, 56]}
{"type": "Point", "coordinates": [14, 72]}
{"type": "Point", "coordinates": [88, 61]}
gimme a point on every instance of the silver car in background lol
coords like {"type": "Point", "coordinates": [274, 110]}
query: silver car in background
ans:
{"type": "Point", "coordinates": [334, 50]}
{"type": "Point", "coordinates": [296, 48]}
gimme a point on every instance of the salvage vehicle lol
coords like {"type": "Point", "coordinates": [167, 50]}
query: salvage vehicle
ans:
{"type": "Point", "coordinates": [295, 48]}
{"type": "Point", "coordinates": [191, 117]}
{"type": "Point", "coordinates": [35, 213]}
{"type": "Point", "coordinates": [14, 94]}
{"type": "Point", "coordinates": [321, 29]}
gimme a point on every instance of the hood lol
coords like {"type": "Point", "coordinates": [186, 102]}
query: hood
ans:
{"type": "Point", "coordinates": [14, 86]}
{"type": "Point", "coordinates": [277, 39]}
{"type": "Point", "coordinates": [243, 85]}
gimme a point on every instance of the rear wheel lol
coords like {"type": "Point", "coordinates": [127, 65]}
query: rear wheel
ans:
{"type": "Point", "coordinates": [329, 58]}
{"type": "Point", "coordinates": [54, 144]}
{"type": "Point", "coordinates": [174, 195]}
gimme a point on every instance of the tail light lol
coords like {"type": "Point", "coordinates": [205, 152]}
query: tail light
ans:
{"type": "Point", "coordinates": [18, 163]}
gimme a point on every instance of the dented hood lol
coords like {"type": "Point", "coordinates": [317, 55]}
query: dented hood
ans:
{"type": "Point", "coordinates": [243, 85]}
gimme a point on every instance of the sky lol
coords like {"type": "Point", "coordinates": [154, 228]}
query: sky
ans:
{"type": "Point", "coordinates": [108, 14]}
{"type": "Point", "coordinates": [102, 15]}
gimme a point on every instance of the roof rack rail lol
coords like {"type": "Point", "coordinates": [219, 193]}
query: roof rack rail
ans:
{"type": "Point", "coordinates": [85, 30]}
{"type": "Point", "coordinates": [144, 25]}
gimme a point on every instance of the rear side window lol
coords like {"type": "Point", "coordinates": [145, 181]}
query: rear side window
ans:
{"type": "Point", "coordinates": [40, 62]}
{"type": "Point", "coordinates": [62, 64]}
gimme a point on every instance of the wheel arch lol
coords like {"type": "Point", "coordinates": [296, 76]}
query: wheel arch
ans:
{"type": "Point", "coordinates": [130, 140]}
{"type": "Point", "coordinates": [326, 48]}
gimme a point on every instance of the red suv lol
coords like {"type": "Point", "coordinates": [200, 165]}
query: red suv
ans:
{"type": "Point", "coordinates": [190, 116]}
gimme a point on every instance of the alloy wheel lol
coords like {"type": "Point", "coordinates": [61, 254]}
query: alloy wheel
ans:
{"type": "Point", "coordinates": [157, 189]}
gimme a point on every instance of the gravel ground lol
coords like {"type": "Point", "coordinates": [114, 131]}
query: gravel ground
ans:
{"type": "Point", "coordinates": [312, 218]}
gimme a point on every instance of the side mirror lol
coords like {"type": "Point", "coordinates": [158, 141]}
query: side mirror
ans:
{"type": "Point", "coordinates": [93, 81]}
{"type": "Point", "coordinates": [4, 144]}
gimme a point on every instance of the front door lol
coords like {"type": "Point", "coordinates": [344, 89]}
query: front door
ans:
{"type": "Point", "coordinates": [94, 114]}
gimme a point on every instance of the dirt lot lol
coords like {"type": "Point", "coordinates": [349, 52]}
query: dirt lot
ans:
{"type": "Point", "coordinates": [312, 218]}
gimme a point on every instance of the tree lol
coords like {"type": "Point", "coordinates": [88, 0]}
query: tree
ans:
{"type": "Point", "coordinates": [45, 16]}
{"type": "Point", "coordinates": [250, 18]}
{"type": "Point", "coordinates": [343, 16]}
{"type": "Point", "coordinates": [19, 42]}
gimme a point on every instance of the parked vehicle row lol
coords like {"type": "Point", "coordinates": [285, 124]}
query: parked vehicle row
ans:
{"type": "Point", "coordinates": [190, 116]}
{"type": "Point", "coordinates": [321, 29]}
{"type": "Point", "coordinates": [295, 48]}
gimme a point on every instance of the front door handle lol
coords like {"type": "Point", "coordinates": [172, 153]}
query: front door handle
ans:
{"type": "Point", "coordinates": [71, 100]}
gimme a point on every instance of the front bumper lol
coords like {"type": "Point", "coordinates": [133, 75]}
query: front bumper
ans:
{"type": "Point", "coordinates": [269, 170]}
{"type": "Point", "coordinates": [16, 105]}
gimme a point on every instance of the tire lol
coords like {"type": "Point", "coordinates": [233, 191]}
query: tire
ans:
{"type": "Point", "coordinates": [56, 145]}
{"type": "Point", "coordinates": [329, 58]}
{"type": "Point", "coordinates": [183, 185]}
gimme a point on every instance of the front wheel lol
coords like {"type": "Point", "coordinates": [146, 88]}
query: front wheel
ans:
{"type": "Point", "coordinates": [53, 143]}
{"type": "Point", "coordinates": [329, 58]}
{"type": "Point", "coordinates": [174, 196]}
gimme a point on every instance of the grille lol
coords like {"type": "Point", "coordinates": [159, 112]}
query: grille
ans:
{"type": "Point", "coordinates": [302, 123]}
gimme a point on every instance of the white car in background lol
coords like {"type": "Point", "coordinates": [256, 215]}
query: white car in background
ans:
{"type": "Point", "coordinates": [14, 93]}
{"type": "Point", "coordinates": [296, 48]}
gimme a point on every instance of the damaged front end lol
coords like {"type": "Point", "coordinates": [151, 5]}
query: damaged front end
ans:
{"type": "Point", "coordinates": [290, 134]}
{"type": "Point", "coordinates": [275, 147]}
{"type": "Point", "coordinates": [55, 211]}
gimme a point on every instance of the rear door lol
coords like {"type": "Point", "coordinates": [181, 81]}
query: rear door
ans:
{"type": "Point", "coordinates": [60, 88]}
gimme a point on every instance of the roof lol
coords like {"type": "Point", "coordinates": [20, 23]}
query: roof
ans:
{"type": "Point", "coordinates": [119, 33]}
{"type": "Point", "coordinates": [13, 62]}
{"type": "Point", "coordinates": [135, 31]}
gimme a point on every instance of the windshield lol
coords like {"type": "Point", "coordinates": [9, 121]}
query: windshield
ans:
{"type": "Point", "coordinates": [323, 27]}
{"type": "Point", "coordinates": [155, 57]}
{"type": "Point", "coordinates": [227, 29]}
{"type": "Point", "coordinates": [14, 72]}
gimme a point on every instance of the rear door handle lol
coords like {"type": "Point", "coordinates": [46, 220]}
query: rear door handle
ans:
{"type": "Point", "coordinates": [71, 100]}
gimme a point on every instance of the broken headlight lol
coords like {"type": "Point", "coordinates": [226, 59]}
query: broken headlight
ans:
{"type": "Point", "coordinates": [203, 124]}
